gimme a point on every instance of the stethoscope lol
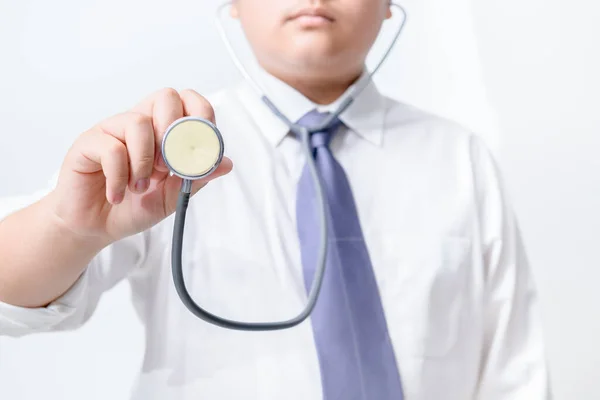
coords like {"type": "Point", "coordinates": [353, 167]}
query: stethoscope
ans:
{"type": "Point", "coordinates": [193, 148]}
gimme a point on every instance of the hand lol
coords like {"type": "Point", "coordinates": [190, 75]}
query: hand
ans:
{"type": "Point", "coordinates": [113, 182]}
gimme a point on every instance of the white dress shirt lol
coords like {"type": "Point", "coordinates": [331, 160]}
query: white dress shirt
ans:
{"type": "Point", "coordinates": [454, 279]}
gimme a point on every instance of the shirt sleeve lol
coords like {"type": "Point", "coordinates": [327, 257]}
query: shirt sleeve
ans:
{"type": "Point", "coordinates": [77, 305]}
{"type": "Point", "coordinates": [514, 363]}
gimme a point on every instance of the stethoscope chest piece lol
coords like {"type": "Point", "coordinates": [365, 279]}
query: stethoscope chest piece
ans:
{"type": "Point", "coordinates": [192, 148]}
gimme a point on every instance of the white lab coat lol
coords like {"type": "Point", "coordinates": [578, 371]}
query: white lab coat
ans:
{"type": "Point", "coordinates": [455, 283]}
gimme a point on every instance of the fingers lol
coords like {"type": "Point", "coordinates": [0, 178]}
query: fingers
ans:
{"type": "Point", "coordinates": [196, 105]}
{"type": "Point", "coordinates": [139, 138]}
{"type": "Point", "coordinates": [127, 147]}
{"type": "Point", "coordinates": [173, 184]}
{"type": "Point", "coordinates": [111, 156]}
{"type": "Point", "coordinates": [136, 132]}
{"type": "Point", "coordinates": [166, 106]}
{"type": "Point", "coordinates": [224, 168]}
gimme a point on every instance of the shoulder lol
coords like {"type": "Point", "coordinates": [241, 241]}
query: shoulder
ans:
{"type": "Point", "coordinates": [441, 141]}
{"type": "Point", "coordinates": [408, 123]}
{"type": "Point", "coordinates": [408, 118]}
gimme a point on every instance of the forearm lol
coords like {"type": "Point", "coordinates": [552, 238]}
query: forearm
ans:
{"type": "Point", "coordinates": [39, 258]}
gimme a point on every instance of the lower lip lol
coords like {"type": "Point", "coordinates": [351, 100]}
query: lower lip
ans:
{"type": "Point", "coordinates": [312, 21]}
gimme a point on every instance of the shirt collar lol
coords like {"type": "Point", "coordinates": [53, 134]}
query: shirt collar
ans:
{"type": "Point", "coordinates": [365, 117]}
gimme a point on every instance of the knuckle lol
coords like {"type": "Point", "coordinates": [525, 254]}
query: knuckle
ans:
{"type": "Point", "coordinates": [168, 93]}
{"type": "Point", "coordinates": [139, 129]}
{"type": "Point", "coordinates": [138, 120]}
{"type": "Point", "coordinates": [116, 150]}
{"type": "Point", "coordinates": [190, 93]}
{"type": "Point", "coordinates": [87, 137]}
{"type": "Point", "coordinates": [203, 105]}
{"type": "Point", "coordinates": [89, 133]}
{"type": "Point", "coordinates": [206, 109]}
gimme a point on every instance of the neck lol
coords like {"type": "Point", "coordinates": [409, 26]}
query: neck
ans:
{"type": "Point", "coordinates": [320, 89]}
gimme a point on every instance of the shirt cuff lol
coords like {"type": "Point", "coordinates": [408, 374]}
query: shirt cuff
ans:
{"type": "Point", "coordinates": [19, 321]}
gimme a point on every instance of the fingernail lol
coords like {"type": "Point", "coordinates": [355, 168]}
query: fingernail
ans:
{"type": "Point", "coordinates": [118, 198]}
{"type": "Point", "coordinates": [142, 185]}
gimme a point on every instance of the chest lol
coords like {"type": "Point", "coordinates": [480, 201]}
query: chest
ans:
{"type": "Point", "coordinates": [242, 261]}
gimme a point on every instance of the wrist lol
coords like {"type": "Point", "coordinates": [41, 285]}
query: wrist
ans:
{"type": "Point", "coordinates": [57, 225]}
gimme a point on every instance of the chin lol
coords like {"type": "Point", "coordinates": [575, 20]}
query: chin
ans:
{"type": "Point", "coordinates": [313, 54]}
{"type": "Point", "coordinates": [311, 66]}
{"type": "Point", "coordinates": [319, 42]}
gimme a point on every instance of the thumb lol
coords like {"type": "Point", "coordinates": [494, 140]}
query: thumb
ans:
{"type": "Point", "coordinates": [173, 184]}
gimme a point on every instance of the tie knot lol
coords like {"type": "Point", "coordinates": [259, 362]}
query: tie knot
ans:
{"type": "Point", "coordinates": [312, 121]}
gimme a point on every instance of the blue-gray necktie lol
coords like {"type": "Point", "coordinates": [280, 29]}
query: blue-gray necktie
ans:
{"type": "Point", "coordinates": [356, 356]}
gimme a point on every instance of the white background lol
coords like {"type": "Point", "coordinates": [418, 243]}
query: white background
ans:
{"type": "Point", "coordinates": [523, 73]}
